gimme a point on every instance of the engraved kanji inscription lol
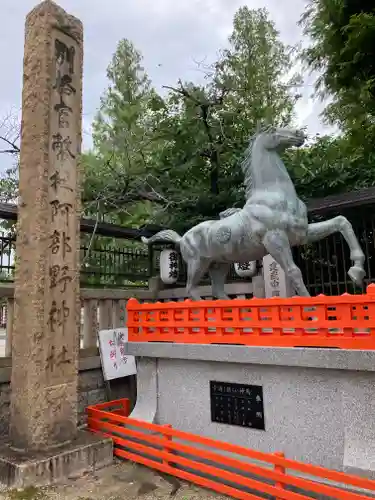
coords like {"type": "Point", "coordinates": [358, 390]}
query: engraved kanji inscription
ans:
{"type": "Point", "coordinates": [61, 146]}
{"type": "Point", "coordinates": [62, 209]}
{"type": "Point", "coordinates": [274, 275]}
{"type": "Point", "coordinates": [56, 181]}
{"type": "Point", "coordinates": [56, 359]}
{"type": "Point", "coordinates": [59, 277]}
{"type": "Point", "coordinates": [62, 357]}
{"type": "Point", "coordinates": [60, 241]}
{"type": "Point", "coordinates": [64, 57]}
{"type": "Point", "coordinates": [63, 111]}
{"type": "Point", "coordinates": [58, 315]}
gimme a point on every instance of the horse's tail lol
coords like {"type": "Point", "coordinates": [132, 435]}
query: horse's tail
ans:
{"type": "Point", "coordinates": [167, 236]}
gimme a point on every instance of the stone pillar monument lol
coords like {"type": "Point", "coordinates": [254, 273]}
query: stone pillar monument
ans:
{"type": "Point", "coordinates": [45, 335]}
{"type": "Point", "coordinates": [47, 300]}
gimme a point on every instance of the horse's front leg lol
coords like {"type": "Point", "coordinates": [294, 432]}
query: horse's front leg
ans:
{"type": "Point", "coordinates": [277, 245]}
{"type": "Point", "coordinates": [340, 224]}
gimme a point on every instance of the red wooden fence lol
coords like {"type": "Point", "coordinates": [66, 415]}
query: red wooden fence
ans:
{"type": "Point", "coordinates": [173, 452]}
{"type": "Point", "coordinates": [345, 321]}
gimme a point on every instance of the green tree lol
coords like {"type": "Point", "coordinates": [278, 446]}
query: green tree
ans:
{"type": "Point", "coordinates": [330, 165]}
{"type": "Point", "coordinates": [342, 50]}
{"type": "Point", "coordinates": [116, 171]}
{"type": "Point", "coordinates": [207, 127]}
{"type": "Point", "coordinates": [174, 160]}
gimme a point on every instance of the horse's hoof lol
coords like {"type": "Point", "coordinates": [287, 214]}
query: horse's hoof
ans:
{"type": "Point", "coordinates": [356, 274]}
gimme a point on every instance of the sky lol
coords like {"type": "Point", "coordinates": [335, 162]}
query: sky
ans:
{"type": "Point", "coordinates": [171, 34]}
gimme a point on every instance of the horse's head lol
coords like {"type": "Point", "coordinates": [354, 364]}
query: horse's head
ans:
{"type": "Point", "coordinates": [281, 138]}
{"type": "Point", "coordinates": [263, 166]}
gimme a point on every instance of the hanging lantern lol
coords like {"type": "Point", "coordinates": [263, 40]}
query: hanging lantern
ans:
{"type": "Point", "coordinates": [246, 269]}
{"type": "Point", "coordinates": [169, 267]}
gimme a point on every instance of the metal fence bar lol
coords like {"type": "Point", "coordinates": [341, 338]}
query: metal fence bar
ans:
{"type": "Point", "coordinates": [118, 262]}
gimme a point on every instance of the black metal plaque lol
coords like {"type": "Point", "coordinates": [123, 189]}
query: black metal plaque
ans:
{"type": "Point", "coordinates": [237, 404]}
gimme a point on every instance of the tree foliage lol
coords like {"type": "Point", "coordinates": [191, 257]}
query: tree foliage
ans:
{"type": "Point", "coordinates": [343, 52]}
{"type": "Point", "coordinates": [172, 158]}
{"type": "Point", "coordinates": [177, 155]}
{"type": "Point", "coordinates": [115, 171]}
{"type": "Point", "coordinates": [331, 165]}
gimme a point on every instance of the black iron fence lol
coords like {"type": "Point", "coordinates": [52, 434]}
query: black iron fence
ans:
{"type": "Point", "coordinates": [110, 264]}
{"type": "Point", "coordinates": [325, 263]}
{"type": "Point", "coordinates": [113, 256]}
{"type": "Point", "coordinates": [105, 263]}
{"type": "Point", "coordinates": [7, 253]}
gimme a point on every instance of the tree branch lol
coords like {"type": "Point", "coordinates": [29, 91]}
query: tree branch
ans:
{"type": "Point", "coordinates": [212, 153]}
{"type": "Point", "coordinates": [138, 195]}
{"type": "Point", "coordinates": [182, 91]}
{"type": "Point", "coordinates": [217, 100]}
{"type": "Point", "coordinates": [15, 149]}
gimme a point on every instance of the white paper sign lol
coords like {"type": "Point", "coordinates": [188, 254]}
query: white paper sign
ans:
{"type": "Point", "coordinates": [275, 283]}
{"type": "Point", "coordinates": [115, 362]}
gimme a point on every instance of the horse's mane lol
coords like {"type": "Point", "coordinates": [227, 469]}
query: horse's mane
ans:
{"type": "Point", "coordinates": [246, 162]}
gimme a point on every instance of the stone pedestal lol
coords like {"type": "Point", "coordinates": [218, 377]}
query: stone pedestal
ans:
{"type": "Point", "coordinates": [85, 453]}
{"type": "Point", "coordinates": [44, 440]}
{"type": "Point", "coordinates": [319, 404]}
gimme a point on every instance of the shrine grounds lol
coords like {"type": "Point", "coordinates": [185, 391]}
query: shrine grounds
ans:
{"type": "Point", "coordinates": [120, 481]}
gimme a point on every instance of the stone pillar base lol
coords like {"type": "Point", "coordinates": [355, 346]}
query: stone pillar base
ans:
{"type": "Point", "coordinates": [86, 453]}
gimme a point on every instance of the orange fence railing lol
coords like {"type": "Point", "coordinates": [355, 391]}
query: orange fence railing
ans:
{"type": "Point", "coordinates": [191, 457]}
{"type": "Point", "coordinates": [345, 321]}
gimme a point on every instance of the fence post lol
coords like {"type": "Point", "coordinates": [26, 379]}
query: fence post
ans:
{"type": "Point", "coordinates": [281, 469]}
{"type": "Point", "coordinates": [166, 448]}
{"type": "Point", "coordinates": [90, 323]}
{"type": "Point", "coordinates": [105, 314]}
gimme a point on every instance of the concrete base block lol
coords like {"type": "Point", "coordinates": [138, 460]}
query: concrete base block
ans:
{"type": "Point", "coordinates": [319, 404]}
{"type": "Point", "coordinates": [88, 452]}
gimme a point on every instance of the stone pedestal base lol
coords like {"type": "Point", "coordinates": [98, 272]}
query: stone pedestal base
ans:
{"type": "Point", "coordinates": [319, 404]}
{"type": "Point", "coordinates": [86, 453]}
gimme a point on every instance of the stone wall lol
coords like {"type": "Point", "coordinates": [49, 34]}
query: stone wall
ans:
{"type": "Point", "coordinates": [92, 390]}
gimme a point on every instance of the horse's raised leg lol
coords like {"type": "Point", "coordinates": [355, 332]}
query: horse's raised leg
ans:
{"type": "Point", "coordinates": [195, 271]}
{"type": "Point", "coordinates": [277, 245]}
{"type": "Point", "coordinates": [218, 274]}
{"type": "Point", "coordinates": [340, 224]}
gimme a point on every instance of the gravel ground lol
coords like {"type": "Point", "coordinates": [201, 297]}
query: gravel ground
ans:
{"type": "Point", "coordinates": [121, 481]}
